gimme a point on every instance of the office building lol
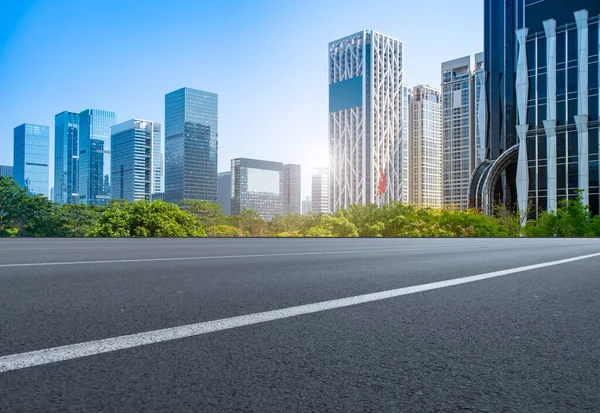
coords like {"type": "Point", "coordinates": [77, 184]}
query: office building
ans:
{"type": "Point", "coordinates": [367, 98]}
{"type": "Point", "coordinates": [463, 118]}
{"type": "Point", "coordinates": [425, 147]}
{"type": "Point", "coordinates": [66, 158]}
{"type": "Point", "coordinates": [542, 136]}
{"type": "Point", "coordinates": [320, 191]}
{"type": "Point", "coordinates": [224, 191]}
{"type": "Point", "coordinates": [131, 164]}
{"type": "Point", "coordinates": [306, 206]}
{"type": "Point", "coordinates": [94, 156]}
{"type": "Point", "coordinates": [31, 158]}
{"type": "Point", "coordinates": [257, 185]}
{"type": "Point", "coordinates": [157, 159]}
{"type": "Point", "coordinates": [6, 170]}
{"type": "Point", "coordinates": [292, 188]}
{"type": "Point", "coordinates": [191, 131]}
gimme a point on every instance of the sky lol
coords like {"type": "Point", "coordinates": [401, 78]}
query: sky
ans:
{"type": "Point", "coordinates": [266, 59]}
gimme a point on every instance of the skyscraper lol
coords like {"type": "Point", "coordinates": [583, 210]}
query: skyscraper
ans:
{"type": "Point", "coordinates": [257, 185]}
{"type": "Point", "coordinates": [157, 159]}
{"type": "Point", "coordinates": [463, 125]}
{"type": "Point", "coordinates": [224, 191]}
{"type": "Point", "coordinates": [306, 206]}
{"type": "Point", "coordinates": [66, 158]}
{"type": "Point", "coordinates": [31, 158]}
{"type": "Point", "coordinates": [320, 191]}
{"type": "Point", "coordinates": [541, 60]}
{"type": "Point", "coordinates": [425, 146]}
{"type": "Point", "coordinates": [191, 132]}
{"type": "Point", "coordinates": [6, 170]}
{"type": "Point", "coordinates": [366, 120]}
{"type": "Point", "coordinates": [94, 156]}
{"type": "Point", "coordinates": [292, 188]}
{"type": "Point", "coordinates": [131, 163]}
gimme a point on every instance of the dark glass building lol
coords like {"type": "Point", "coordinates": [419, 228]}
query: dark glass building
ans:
{"type": "Point", "coordinates": [541, 63]}
{"type": "Point", "coordinates": [224, 191]}
{"type": "Point", "coordinates": [31, 157]}
{"type": "Point", "coordinates": [257, 185]}
{"type": "Point", "coordinates": [6, 170]}
{"type": "Point", "coordinates": [66, 158]}
{"type": "Point", "coordinates": [292, 189]}
{"type": "Point", "coordinates": [191, 132]}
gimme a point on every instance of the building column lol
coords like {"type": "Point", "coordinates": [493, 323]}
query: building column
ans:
{"type": "Point", "coordinates": [581, 120]}
{"type": "Point", "coordinates": [522, 88]}
{"type": "Point", "coordinates": [550, 122]}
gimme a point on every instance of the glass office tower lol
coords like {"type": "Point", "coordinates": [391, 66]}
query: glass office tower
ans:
{"type": "Point", "coordinates": [549, 150]}
{"type": "Point", "coordinates": [31, 158]}
{"type": "Point", "coordinates": [292, 189]}
{"type": "Point", "coordinates": [94, 156]}
{"type": "Point", "coordinates": [191, 132]}
{"type": "Point", "coordinates": [66, 158]}
{"type": "Point", "coordinates": [157, 159]}
{"type": "Point", "coordinates": [320, 191]}
{"type": "Point", "coordinates": [224, 191]}
{"type": "Point", "coordinates": [131, 163]}
{"type": "Point", "coordinates": [6, 170]}
{"type": "Point", "coordinates": [257, 185]}
{"type": "Point", "coordinates": [367, 97]}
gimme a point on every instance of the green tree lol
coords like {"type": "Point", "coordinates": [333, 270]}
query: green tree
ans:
{"type": "Point", "coordinates": [78, 219]}
{"type": "Point", "coordinates": [209, 213]}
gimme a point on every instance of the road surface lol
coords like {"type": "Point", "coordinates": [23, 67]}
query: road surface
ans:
{"type": "Point", "coordinates": [286, 325]}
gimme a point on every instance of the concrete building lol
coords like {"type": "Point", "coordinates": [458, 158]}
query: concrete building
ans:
{"type": "Point", "coordinates": [367, 123]}
{"type": "Point", "coordinates": [31, 156]}
{"type": "Point", "coordinates": [292, 189]}
{"type": "Point", "coordinates": [157, 159]}
{"type": "Point", "coordinates": [425, 146]}
{"type": "Point", "coordinates": [131, 164]}
{"type": "Point", "coordinates": [463, 101]}
{"type": "Point", "coordinates": [306, 206]}
{"type": "Point", "coordinates": [224, 191]}
{"type": "Point", "coordinates": [320, 191]}
{"type": "Point", "coordinates": [257, 185]}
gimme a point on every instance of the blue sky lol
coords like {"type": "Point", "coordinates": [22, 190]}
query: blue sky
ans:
{"type": "Point", "coordinates": [267, 60]}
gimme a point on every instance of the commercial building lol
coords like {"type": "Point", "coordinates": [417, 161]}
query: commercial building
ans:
{"type": "Point", "coordinates": [542, 136]}
{"type": "Point", "coordinates": [191, 132]}
{"type": "Point", "coordinates": [306, 206]}
{"type": "Point", "coordinates": [157, 159]}
{"type": "Point", "coordinates": [463, 118]}
{"type": "Point", "coordinates": [367, 122]}
{"type": "Point", "coordinates": [94, 156]}
{"type": "Point", "coordinates": [31, 157]}
{"type": "Point", "coordinates": [131, 164]}
{"type": "Point", "coordinates": [425, 146]}
{"type": "Point", "coordinates": [292, 189]}
{"type": "Point", "coordinates": [224, 191]}
{"type": "Point", "coordinates": [320, 191]}
{"type": "Point", "coordinates": [6, 170]}
{"type": "Point", "coordinates": [66, 158]}
{"type": "Point", "coordinates": [257, 185]}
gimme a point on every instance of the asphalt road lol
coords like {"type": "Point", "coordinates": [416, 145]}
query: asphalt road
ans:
{"type": "Point", "coordinates": [129, 325]}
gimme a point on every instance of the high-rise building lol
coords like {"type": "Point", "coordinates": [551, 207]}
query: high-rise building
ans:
{"type": "Point", "coordinates": [306, 206]}
{"type": "Point", "coordinates": [541, 147]}
{"type": "Point", "coordinates": [320, 191]}
{"type": "Point", "coordinates": [94, 156]}
{"type": "Point", "coordinates": [463, 121]}
{"type": "Point", "coordinates": [257, 185]}
{"type": "Point", "coordinates": [367, 98]}
{"type": "Point", "coordinates": [292, 188]}
{"type": "Point", "coordinates": [224, 191]}
{"type": "Point", "coordinates": [6, 170]}
{"type": "Point", "coordinates": [191, 132]}
{"type": "Point", "coordinates": [66, 158]}
{"type": "Point", "coordinates": [425, 146]}
{"type": "Point", "coordinates": [131, 164]}
{"type": "Point", "coordinates": [31, 158]}
{"type": "Point", "coordinates": [157, 159]}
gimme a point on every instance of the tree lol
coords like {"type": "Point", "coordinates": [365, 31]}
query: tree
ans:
{"type": "Point", "coordinates": [209, 213]}
{"type": "Point", "coordinates": [78, 219]}
{"type": "Point", "coordinates": [144, 219]}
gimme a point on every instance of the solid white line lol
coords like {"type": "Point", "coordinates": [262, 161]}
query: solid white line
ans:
{"type": "Point", "coordinates": [90, 348]}
{"type": "Point", "coordinates": [216, 257]}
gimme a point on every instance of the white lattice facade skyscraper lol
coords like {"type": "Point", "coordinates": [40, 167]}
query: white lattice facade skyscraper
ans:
{"type": "Point", "coordinates": [367, 121]}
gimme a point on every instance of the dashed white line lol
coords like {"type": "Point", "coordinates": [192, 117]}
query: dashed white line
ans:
{"type": "Point", "coordinates": [90, 348]}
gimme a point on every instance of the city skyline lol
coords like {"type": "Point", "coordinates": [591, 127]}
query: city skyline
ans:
{"type": "Point", "coordinates": [254, 116]}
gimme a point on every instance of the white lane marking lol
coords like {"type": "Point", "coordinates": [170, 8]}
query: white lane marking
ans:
{"type": "Point", "coordinates": [90, 348]}
{"type": "Point", "coordinates": [216, 257]}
